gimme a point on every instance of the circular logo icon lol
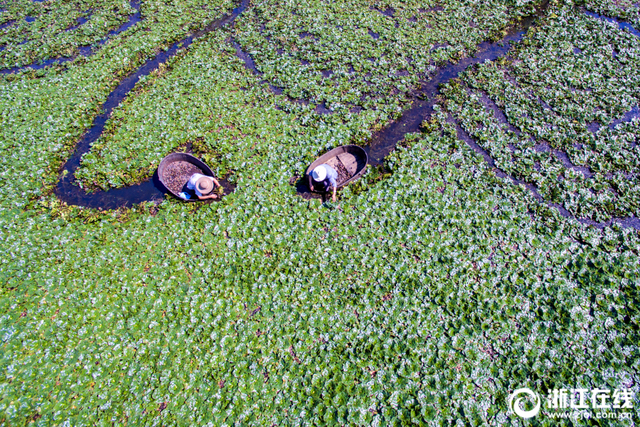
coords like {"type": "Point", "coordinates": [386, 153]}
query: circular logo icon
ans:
{"type": "Point", "coordinates": [516, 397]}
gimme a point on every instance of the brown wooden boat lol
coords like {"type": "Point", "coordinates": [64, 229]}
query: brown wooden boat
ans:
{"type": "Point", "coordinates": [175, 170]}
{"type": "Point", "coordinates": [350, 161]}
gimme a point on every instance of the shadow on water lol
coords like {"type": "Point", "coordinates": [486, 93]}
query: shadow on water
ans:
{"type": "Point", "coordinates": [385, 141]}
{"type": "Point", "coordinates": [148, 190]}
{"type": "Point", "coordinates": [303, 190]}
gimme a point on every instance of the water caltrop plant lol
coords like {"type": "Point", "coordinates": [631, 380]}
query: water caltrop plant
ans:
{"type": "Point", "coordinates": [437, 284]}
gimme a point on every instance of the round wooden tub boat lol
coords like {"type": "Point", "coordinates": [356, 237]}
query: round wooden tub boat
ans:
{"type": "Point", "coordinates": [349, 161]}
{"type": "Point", "coordinates": [175, 170]}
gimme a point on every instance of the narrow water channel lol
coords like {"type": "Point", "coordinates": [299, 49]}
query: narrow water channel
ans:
{"type": "Point", "coordinates": [382, 142]}
{"type": "Point", "coordinates": [85, 51]}
{"type": "Point", "coordinates": [150, 189]}
{"type": "Point", "coordinates": [385, 141]}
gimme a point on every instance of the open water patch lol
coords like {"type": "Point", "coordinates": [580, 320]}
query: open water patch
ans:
{"type": "Point", "coordinates": [79, 22]}
{"type": "Point", "coordinates": [630, 115]}
{"type": "Point", "coordinates": [7, 24]}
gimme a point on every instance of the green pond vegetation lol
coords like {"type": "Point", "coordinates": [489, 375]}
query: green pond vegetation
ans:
{"type": "Point", "coordinates": [423, 296]}
{"type": "Point", "coordinates": [35, 31]}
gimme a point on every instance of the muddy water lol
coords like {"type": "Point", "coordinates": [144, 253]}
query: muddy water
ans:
{"type": "Point", "coordinates": [145, 191]}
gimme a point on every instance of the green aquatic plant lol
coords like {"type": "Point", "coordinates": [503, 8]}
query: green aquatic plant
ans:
{"type": "Point", "coordinates": [422, 297]}
{"type": "Point", "coordinates": [563, 129]}
{"type": "Point", "coordinates": [35, 31]}
{"type": "Point", "coordinates": [329, 59]}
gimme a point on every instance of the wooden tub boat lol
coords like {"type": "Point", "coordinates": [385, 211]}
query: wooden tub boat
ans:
{"type": "Point", "coordinates": [175, 170]}
{"type": "Point", "coordinates": [349, 161]}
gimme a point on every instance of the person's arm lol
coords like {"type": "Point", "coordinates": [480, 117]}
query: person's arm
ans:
{"type": "Point", "coordinates": [333, 182]}
{"type": "Point", "coordinates": [210, 196]}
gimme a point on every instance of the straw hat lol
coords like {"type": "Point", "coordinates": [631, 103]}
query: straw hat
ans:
{"type": "Point", "coordinates": [319, 173]}
{"type": "Point", "coordinates": [204, 185]}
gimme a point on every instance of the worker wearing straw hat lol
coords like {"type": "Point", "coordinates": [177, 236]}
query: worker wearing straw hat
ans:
{"type": "Point", "coordinates": [203, 186]}
{"type": "Point", "coordinates": [325, 177]}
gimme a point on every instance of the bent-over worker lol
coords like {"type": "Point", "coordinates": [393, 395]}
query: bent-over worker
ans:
{"type": "Point", "coordinates": [325, 177]}
{"type": "Point", "coordinates": [203, 186]}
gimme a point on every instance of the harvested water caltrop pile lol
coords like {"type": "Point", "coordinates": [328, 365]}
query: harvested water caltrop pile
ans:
{"type": "Point", "coordinates": [493, 245]}
{"type": "Point", "coordinates": [178, 173]}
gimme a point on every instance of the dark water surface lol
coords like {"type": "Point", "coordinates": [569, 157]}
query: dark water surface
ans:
{"type": "Point", "coordinates": [382, 143]}
{"type": "Point", "coordinates": [82, 50]}
{"type": "Point", "coordinates": [385, 141]}
{"type": "Point", "coordinates": [621, 24]}
{"type": "Point", "coordinates": [148, 190]}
